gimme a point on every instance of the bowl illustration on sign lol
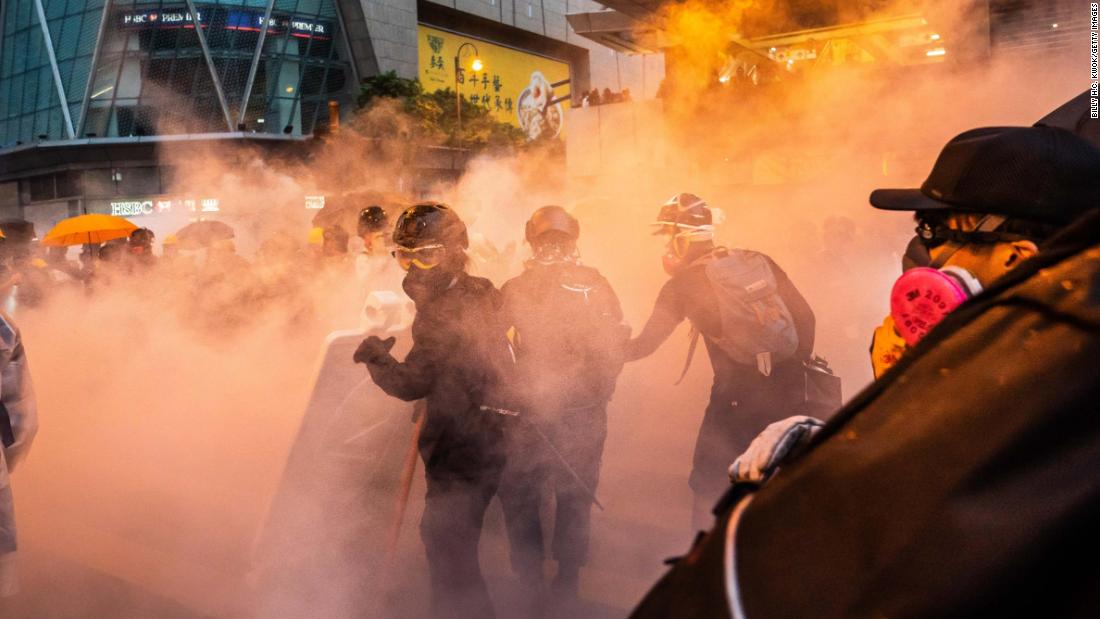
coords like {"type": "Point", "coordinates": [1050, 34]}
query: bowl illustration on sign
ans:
{"type": "Point", "coordinates": [539, 113]}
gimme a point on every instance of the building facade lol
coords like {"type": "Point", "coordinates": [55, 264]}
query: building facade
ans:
{"type": "Point", "coordinates": [91, 90]}
{"type": "Point", "coordinates": [128, 68]}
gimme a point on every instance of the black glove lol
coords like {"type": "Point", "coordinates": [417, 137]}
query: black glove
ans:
{"type": "Point", "coordinates": [373, 349]}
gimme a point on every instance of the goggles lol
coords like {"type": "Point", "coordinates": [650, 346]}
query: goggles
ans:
{"type": "Point", "coordinates": [424, 257]}
{"type": "Point", "coordinates": [555, 253]}
{"type": "Point", "coordinates": [684, 236]}
{"type": "Point", "coordinates": [933, 232]}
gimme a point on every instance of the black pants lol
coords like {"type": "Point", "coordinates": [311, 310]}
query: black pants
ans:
{"type": "Point", "coordinates": [578, 435]}
{"type": "Point", "coordinates": [742, 403]}
{"type": "Point", "coordinates": [454, 510]}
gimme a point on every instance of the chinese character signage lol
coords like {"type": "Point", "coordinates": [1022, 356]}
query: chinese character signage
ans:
{"type": "Point", "coordinates": [527, 90]}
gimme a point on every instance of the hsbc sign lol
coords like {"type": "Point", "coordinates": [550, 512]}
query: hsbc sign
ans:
{"type": "Point", "coordinates": [132, 208]}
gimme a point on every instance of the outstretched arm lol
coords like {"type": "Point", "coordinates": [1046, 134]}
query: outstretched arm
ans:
{"type": "Point", "coordinates": [667, 315]}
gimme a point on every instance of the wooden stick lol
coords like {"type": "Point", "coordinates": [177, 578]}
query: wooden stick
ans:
{"type": "Point", "coordinates": [407, 472]}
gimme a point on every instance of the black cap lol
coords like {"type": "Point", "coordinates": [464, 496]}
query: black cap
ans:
{"type": "Point", "coordinates": [1041, 174]}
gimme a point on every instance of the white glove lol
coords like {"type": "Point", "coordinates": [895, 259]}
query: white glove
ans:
{"type": "Point", "coordinates": [774, 446]}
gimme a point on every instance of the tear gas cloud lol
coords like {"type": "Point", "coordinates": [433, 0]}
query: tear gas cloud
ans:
{"type": "Point", "coordinates": [168, 403]}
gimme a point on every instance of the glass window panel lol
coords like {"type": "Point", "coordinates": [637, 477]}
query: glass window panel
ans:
{"type": "Point", "coordinates": [139, 181]}
{"type": "Point", "coordinates": [96, 122]}
{"type": "Point", "coordinates": [78, 78]}
{"type": "Point", "coordinates": [5, 56]}
{"type": "Point", "coordinates": [74, 113]}
{"type": "Point", "coordinates": [26, 128]}
{"type": "Point", "coordinates": [67, 39]}
{"type": "Point", "coordinates": [89, 30]}
{"type": "Point", "coordinates": [67, 183]}
{"type": "Point", "coordinates": [21, 52]}
{"type": "Point", "coordinates": [36, 54]}
{"type": "Point", "coordinates": [47, 90]}
{"type": "Point", "coordinates": [24, 11]}
{"type": "Point", "coordinates": [58, 130]}
{"type": "Point", "coordinates": [41, 187]}
{"type": "Point", "coordinates": [54, 8]}
{"type": "Point", "coordinates": [65, 69]}
{"type": "Point", "coordinates": [129, 82]}
{"type": "Point", "coordinates": [42, 125]}
{"type": "Point", "coordinates": [15, 96]}
{"type": "Point", "coordinates": [106, 76]}
{"type": "Point", "coordinates": [98, 183]}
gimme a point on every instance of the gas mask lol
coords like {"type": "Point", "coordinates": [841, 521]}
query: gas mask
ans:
{"type": "Point", "coordinates": [428, 270]}
{"type": "Point", "coordinates": [677, 253]}
{"type": "Point", "coordinates": [924, 295]}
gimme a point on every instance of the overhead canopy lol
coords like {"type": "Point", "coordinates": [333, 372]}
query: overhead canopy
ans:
{"type": "Point", "coordinates": [617, 31]}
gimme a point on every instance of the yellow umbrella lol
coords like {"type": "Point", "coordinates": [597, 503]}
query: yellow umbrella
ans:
{"type": "Point", "coordinates": [88, 229]}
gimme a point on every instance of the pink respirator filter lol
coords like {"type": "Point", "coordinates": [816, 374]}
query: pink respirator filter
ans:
{"type": "Point", "coordinates": [922, 296]}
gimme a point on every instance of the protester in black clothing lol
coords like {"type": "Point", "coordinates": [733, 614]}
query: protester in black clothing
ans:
{"type": "Point", "coordinates": [459, 353]}
{"type": "Point", "coordinates": [568, 324]}
{"type": "Point", "coordinates": [963, 482]}
{"type": "Point", "coordinates": [140, 248]}
{"type": "Point", "coordinates": [757, 362]}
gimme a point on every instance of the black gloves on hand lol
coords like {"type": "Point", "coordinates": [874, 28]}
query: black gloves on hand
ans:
{"type": "Point", "coordinates": [373, 349]}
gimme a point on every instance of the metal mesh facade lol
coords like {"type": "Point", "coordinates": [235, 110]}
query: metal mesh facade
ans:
{"type": "Point", "coordinates": [155, 67]}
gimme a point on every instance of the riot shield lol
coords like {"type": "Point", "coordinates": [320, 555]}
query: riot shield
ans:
{"type": "Point", "coordinates": [324, 542]}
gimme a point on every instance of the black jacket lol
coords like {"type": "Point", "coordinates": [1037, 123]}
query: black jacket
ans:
{"type": "Point", "coordinates": [568, 323]}
{"type": "Point", "coordinates": [963, 483]}
{"type": "Point", "coordinates": [459, 360]}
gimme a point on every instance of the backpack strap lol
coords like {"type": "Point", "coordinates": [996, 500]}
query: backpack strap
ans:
{"type": "Point", "coordinates": [7, 435]}
{"type": "Point", "coordinates": [715, 254]}
{"type": "Point", "coordinates": [690, 355]}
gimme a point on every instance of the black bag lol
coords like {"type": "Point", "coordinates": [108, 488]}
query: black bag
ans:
{"type": "Point", "coordinates": [820, 394]}
{"type": "Point", "coordinates": [7, 435]}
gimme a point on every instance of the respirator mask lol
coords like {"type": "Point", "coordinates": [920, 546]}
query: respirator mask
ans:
{"type": "Point", "coordinates": [924, 295]}
{"type": "Point", "coordinates": [676, 255]}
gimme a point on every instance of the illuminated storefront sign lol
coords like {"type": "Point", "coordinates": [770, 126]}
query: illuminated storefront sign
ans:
{"type": "Point", "coordinates": [251, 21]}
{"type": "Point", "coordinates": [315, 203]}
{"type": "Point", "coordinates": [524, 89]}
{"type": "Point", "coordinates": [139, 207]}
{"type": "Point", "coordinates": [131, 208]}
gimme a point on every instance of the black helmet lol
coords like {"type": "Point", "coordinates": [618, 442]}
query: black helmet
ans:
{"type": "Point", "coordinates": [430, 223]}
{"type": "Point", "coordinates": [335, 237]}
{"type": "Point", "coordinates": [372, 219]}
{"type": "Point", "coordinates": [683, 210]}
{"type": "Point", "coordinates": [142, 236]}
{"type": "Point", "coordinates": [552, 220]}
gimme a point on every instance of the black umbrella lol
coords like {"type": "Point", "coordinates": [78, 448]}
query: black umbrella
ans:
{"type": "Point", "coordinates": [18, 230]}
{"type": "Point", "coordinates": [203, 234]}
{"type": "Point", "coordinates": [343, 211]}
{"type": "Point", "coordinates": [1075, 115]}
